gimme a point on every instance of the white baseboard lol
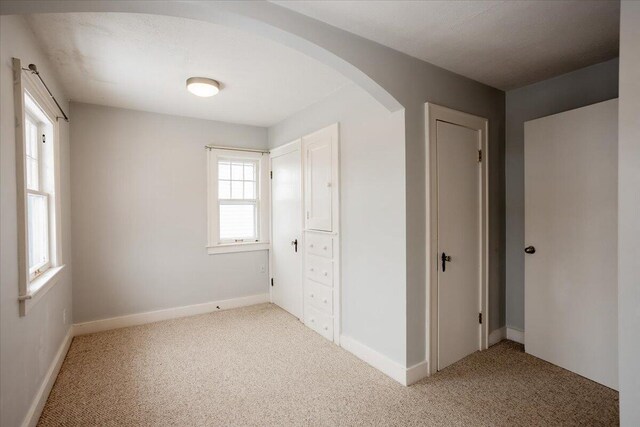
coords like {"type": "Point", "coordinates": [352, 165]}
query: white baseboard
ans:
{"type": "Point", "coordinates": [515, 335]}
{"type": "Point", "coordinates": [405, 376]}
{"type": "Point", "coordinates": [417, 372]}
{"type": "Point", "coordinates": [33, 415]}
{"type": "Point", "coordinates": [498, 335]}
{"type": "Point", "coordinates": [166, 314]}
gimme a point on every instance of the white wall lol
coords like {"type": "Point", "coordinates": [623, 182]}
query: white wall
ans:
{"type": "Point", "coordinates": [628, 221]}
{"type": "Point", "coordinates": [372, 213]}
{"type": "Point", "coordinates": [139, 213]}
{"type": "Point", "coordinates": [27, 344]}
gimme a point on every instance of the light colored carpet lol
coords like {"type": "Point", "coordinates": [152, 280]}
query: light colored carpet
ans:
{"type": "Point", "coordinates": [260, 366]}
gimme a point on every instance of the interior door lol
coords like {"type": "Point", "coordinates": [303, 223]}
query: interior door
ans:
{"type": "Point", "coordinates": [571, 224]}
{"type": "Point", "coordinates": [318, 180]}
{"type": "Point", "coordinates": [286, 230]}
{"type": "Point", "coordinates": [459, 238]}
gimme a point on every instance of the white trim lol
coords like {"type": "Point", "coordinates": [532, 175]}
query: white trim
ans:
{"type": "Point", "coordinates": [405, 376]}
{"type": "Point", "coordinates": [166, 314]}
{"type": "Point", "coordinates": [40, 286]}
{"type": "Point", "coordinates": [238, 247]}
{"type": "Point", "coordinates": [515, 335]}
{"type": "Point", "coordinates": [379, 361]}
{"type": "Point", "coordinates": [33, 415]}
{"type": "Point", "coordinates": [214, 246]}
{"type": "Point", "coordinates": [417, 372]}
{"type": "Point", "coordinates": [25, 82]}
{"type": "Point", "coordinates": [433, 113]}
{"type": "Point", "coordinates": [498, 335]}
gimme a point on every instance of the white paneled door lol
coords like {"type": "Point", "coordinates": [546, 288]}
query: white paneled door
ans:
{"type": "Point", "coordinates": [459, 241]}
{"type": "Point", "coordinates": [286, 228]}
{"type": "Point", "coordinates": [571, 237]}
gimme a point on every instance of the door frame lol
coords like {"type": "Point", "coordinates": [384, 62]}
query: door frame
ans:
{"type": "Point", "coordinates": [433, 114]}
{"type": "Point", "coordinates": [281, 150]}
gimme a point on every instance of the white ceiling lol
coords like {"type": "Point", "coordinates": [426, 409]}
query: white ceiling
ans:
{"type": "Point", "coordinates": [141, 62]}
{"type": "Point", "coordinates": [505, 44]}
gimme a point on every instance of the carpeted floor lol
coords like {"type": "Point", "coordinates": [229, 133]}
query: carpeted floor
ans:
{"type": "Point", "coordinates": [260, 366]}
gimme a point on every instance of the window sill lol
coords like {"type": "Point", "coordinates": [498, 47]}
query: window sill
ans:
{"type": "Point", "coordinates": [228, 248]}
{"type": "Point", "coordinates": [39, 287]}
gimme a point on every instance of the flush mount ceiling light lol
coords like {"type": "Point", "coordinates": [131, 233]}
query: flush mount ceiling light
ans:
{"type": "Point", "coordinates": [202, 86]}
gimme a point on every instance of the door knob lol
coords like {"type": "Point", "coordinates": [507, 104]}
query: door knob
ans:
{"type": "Point", "coordinates": [530, 250]}
{"type": "Point", "coordinates": [294, 243]}
{"type": "Point", "coordinates": [445, 258]}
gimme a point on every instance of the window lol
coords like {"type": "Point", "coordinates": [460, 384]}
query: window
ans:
{"type": "Point", "coordinates": [37, 197]}
{"type": "Point", "coordinates": [38, 201]}
{"type": "Point", "coordinates": [237, 201]}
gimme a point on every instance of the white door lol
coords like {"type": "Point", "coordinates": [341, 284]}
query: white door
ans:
{"type": "Point", "coordinates": [318, 179]}
{"type": "Point", "coordinates": [286, 230]}
{"type": "Point", "coordinates": [459, 242]}
{"type": "Point", "coordinates": [571, 222]}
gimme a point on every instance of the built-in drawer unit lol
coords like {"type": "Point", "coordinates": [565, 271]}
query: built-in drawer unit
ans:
{"type": "Point", "coordinates": [319, 296]}
{"type": "Point", "coordinates": [319, 269]}
{"type": "Point", "coordinates": [320, 244]}
{"type": "Point", "coordinates": [319, 322]}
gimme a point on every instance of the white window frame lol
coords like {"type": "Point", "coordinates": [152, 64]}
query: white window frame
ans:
{"type": "Point", "coordinates": [34, 283]}
{"type": "Point", "coordinates": [215, 245]}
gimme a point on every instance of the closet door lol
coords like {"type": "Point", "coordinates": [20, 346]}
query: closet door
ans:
{"type": "Point", "coordinates": [570, 289]}
{"type": "Point", "coordinates": [320, 151]}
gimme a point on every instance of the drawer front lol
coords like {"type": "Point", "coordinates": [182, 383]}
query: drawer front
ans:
{"type": "Point", "coordinates": [319, 269]}
{"type": "Point", "coordinates": [321, 245]}
{"type": "Point", "coordinates": [319, 322]}
{"type": "Point", "coordinates": [319, 296]}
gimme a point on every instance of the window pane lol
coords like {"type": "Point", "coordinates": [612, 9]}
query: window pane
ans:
{"type": "Point", "coordinates": [236, 189]}
{"type": "Point", "coordinates": [224, 189]}
{"type": "Point", "coordinates": [236, 171]}
{"type": "Point", "coordinates": [248, 172]}
{"type": "Point", "coordinates": [38, 229]}
{"type": "Point", "coordinates": [238, 222]}
{"type": "Point", "coordinates": [224, 170]}
{"type": "Point", "coordinates": [32, 173]}
{"type": "Point", "coordinates": [249, 190]}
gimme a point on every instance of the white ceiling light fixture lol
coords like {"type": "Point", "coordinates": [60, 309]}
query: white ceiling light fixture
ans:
{"type": "Point", "coordinates": [202, 86]}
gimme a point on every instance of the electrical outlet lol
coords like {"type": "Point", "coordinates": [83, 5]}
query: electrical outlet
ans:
{"type": "Point", "coordinates": [64, 316]}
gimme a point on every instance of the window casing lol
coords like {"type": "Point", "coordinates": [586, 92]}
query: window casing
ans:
{"type": "Point", "coordinates": [238, 201]}
{"type": "Point", "coordinates": [38, 189]}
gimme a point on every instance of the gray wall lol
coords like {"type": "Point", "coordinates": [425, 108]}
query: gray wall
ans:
{"type": "Point", "coordinates": [28, 344]}
{"type": "Point", "coordinates": [394, 79]}
{"type": "Point", "coordinates": [628, 223]}
{"type": "Point", "coordinates": [139, 213]}
{"type": "Point", "coordinates": [372, 213]}
{"type": "Point", "coordinates": [566, 92]}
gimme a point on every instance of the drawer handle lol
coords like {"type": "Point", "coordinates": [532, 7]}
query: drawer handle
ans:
{"type": "Point", "coordinates": [325, 248]}
{"type": "Point", "coordinates": [324, 300]}
{"type": "Point", "coordinates": [326, 328]}
{"type": "Point", "coordinates": [311, 295]}
{"type": "Point", "coordinates": [326, 274]}
{"type": "Point", "coordinates": [313, 320]}
{"type": "Point", "coordinates": [311, 269]}
{"type": "Point", "coordinates": [311, 245]}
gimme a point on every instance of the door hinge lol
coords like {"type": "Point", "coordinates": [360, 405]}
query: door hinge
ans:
{"type": "Point", "coordinates": [271, 174]}
{"type": "Point", "coordinates": [272, 281]}
{"type": "Point", "coordinates": [480, 318]}
{"type": "Point", "coordinates": [479, 155]}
